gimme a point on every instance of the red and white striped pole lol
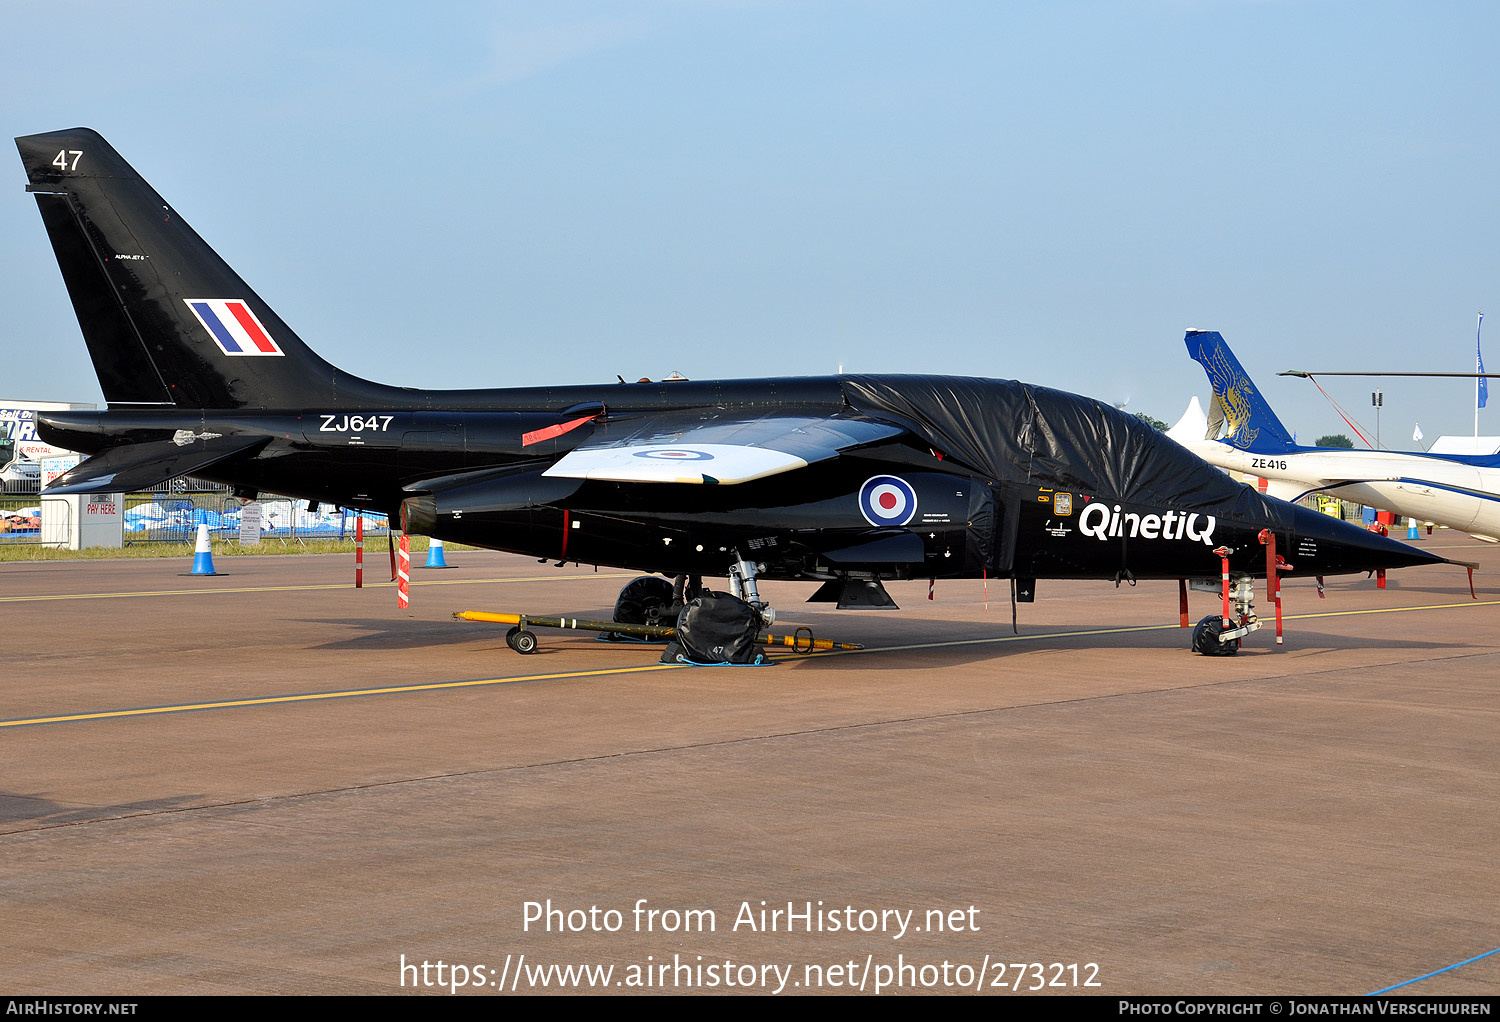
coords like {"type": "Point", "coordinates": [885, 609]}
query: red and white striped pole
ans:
{"type": "Point", "coordinates": [359, 552]}
{"type": "Point", "coordinates": [403, 574]}
{"type": "Point", "coordinates": [1223, 553]}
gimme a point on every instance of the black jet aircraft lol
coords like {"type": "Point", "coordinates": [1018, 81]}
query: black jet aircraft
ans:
{"type": "Point", "coordinates": [847, 480]}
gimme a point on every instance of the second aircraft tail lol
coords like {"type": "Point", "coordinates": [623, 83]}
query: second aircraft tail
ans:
{"type": "Point", "coordinates": [1250, 423]}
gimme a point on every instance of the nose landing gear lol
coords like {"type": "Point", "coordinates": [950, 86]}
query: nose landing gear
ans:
{"type": "Point", "coordinates": [1220, 634]}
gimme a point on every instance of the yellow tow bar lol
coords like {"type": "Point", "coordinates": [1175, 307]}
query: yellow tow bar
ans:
{"type": "Point", "coordinates": [522, 640]}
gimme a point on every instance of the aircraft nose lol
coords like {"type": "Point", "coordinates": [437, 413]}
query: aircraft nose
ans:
{"type": "Point", "coordinates": [1324, 545]}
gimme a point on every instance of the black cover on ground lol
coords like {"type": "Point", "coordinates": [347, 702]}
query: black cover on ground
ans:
{"type": "Point", "coordinates": [716, 628]}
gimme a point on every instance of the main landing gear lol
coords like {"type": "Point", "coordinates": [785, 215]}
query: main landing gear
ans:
{"type": "Point", "coordinates": [742, 586]}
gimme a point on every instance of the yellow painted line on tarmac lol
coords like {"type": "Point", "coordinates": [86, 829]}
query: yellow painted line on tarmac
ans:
{"type": "Point", "coordinates": [1391, 610]}
{"type": "Point", "coordinates": [211, 590]}
{"type": "Point", "coordinates": [1264, 619]}
{"type": "Point", "coordinates": [308, 697]}
{"type": "Point", "coordinates": [991, 640]}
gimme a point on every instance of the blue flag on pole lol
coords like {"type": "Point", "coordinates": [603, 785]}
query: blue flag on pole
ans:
{"type": "Point", "coordinates": [1484, 385]}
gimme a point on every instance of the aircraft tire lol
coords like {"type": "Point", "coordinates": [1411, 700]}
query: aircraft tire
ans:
{"type": "Point", "coordinates": [645, 601]}
{"type": "Point", "coordinates": [1206, 638]}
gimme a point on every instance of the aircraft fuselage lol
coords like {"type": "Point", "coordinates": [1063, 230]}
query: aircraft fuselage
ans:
{"type": "Point", "coordinates": [468, 474]}
{"type": "Point", "coordinates": [1462, 496]}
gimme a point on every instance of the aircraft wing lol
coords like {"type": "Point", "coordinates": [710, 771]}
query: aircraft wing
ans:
{"type": "Point", "coordinates": [1295, 489]}
{"type": "Point", "coordinates": [137, 466]}
{"type": "Point", "coordinates": [708, 447]}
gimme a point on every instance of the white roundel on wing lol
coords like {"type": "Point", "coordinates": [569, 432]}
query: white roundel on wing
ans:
{"type": "Point", "coordinates": [887, 500]}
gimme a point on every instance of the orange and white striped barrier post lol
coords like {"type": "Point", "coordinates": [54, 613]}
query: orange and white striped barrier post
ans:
{"type": "Point", "coordinates": [403, 574]}
{"type": "Point", "coordinates": [359, 552]}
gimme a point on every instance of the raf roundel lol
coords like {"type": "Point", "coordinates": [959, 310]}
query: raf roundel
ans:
{"type": "Point", "coordinates": [675, 455]}
{"type": "Point", "coordinates": [887, 500]}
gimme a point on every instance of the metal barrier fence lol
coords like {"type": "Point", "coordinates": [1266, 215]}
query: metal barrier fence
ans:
{"type": "Point", "coordinates": [175, 517]}
{"type": "Point", "coordinates": [20, 519]}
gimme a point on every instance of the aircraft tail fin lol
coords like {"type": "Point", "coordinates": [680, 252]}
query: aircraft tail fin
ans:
{"type": "Point", "coordinates": [166, 320]}
{"type": "Point", "coordinates": [1249, 423]}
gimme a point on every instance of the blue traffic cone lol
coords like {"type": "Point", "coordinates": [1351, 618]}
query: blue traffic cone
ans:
{"type": "Point", "coordinates": [435, 554]}
{"type": "Point", "coordinates": [1411, 528]}
{"type": "Point", "coordinates": [203, 555]}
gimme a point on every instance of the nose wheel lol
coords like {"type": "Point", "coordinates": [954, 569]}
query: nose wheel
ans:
{"type": "Point", "coordinates": [1206, 638]}
{"type": "Point", "coordinates": [1220, 634]}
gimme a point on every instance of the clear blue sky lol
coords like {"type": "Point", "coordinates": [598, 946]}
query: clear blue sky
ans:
{"type": "Point", "coordinates": [488, 194]}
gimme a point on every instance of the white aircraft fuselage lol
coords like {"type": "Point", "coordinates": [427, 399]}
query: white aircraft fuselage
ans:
{"type": "Point", "coordinates": [1461, 496]}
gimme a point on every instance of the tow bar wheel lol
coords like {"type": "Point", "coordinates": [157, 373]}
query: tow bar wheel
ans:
{"type": "Point", "coordinates": [521, 640]}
